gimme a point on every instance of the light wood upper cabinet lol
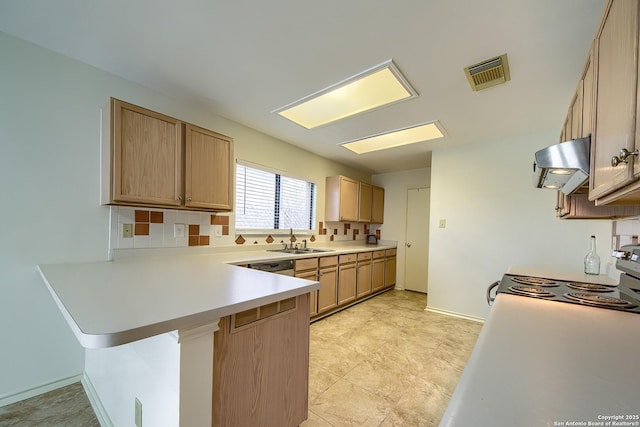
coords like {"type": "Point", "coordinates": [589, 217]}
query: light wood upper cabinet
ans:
{"type": "Point", "coordinates": [616, 72]}
{"type": "Point", "coordinates": [147, 156]}
{"type": "Point", "coordinates": [377, 205]}
{"type": "Point", "coordinates": [364, 202]}
{"type": "Point", "coordinates": [349, 200]}
{"type": "Point", "coordinates": [208, 169]}
{"type": "Point", "coordinates": [150, 159]}
{"type": "Point", "coordinates": [341, 201]}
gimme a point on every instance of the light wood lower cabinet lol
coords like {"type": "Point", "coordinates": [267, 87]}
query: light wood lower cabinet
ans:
{"type": "Point", "coordinates": [377, 271]}
{"type": "Point", "coordinates": [347, 279]}
{"type": "Point", "coordinates": [307, 268]}
{"type": "Point", "coordinates": [363, 274]}
{"type": "Point", "coordinates": [261, 369]}
{"type": "Point", "coordinates": [390, 268]}
{"type": "Point", "coordinates": [328, 278]}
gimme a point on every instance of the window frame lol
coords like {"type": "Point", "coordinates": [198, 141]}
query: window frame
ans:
{"type": "Point", "coordinates": [276, 231]}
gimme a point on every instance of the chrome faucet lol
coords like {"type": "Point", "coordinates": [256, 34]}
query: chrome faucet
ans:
{"type": "Point", "coordinates": [304, 244]}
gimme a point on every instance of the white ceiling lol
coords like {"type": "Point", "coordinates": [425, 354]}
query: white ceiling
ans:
{"type": "Point", "coordinates": [242, 59]}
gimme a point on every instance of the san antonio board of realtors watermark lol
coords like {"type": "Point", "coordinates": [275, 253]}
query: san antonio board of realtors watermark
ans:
{"type": "Point", "coordinates": [604, 421]}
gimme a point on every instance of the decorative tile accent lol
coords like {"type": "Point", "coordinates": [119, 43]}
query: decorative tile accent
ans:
{"type": "Point", "coordinates": [194, 230]}
{"type": "Point", "coordinates": [335, 231]}
{"type": "Point", "coordinates": [313, 238]}
{"type": "Point", "coordinates": [194, 240]}
{"type": "Point", "coordinates": [204, 241]}
{"type": "Point", "coordinates": [378, 234]}
{"type": "Point", "coordinates": [219, 220]}
{"type": "Point", "coordinates": [320, 225]}
{"type": "Point", "coordinates": [141, 229]}
{"type": "Point", "coordinates": [156, 217]}
{"type": "Point", "coordinates": [269, 239]}
{"type": "Point", "coordinates": [293, 239]}
{"type": "Point", "coordinates": [142, 216]}
{"type": "Point", "coordinates": [240, 240]}
{"type": "Point", "coordinates": [331, 238]}
{"type": "Point", "coordinates": [225, 230]}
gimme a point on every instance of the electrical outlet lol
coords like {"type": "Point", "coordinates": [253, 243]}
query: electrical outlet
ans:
{"type": "Point", "coordinates": [178, 230]}
{"type": "Point", "coordinates": [442, 223]}
{"type": "Point", "coordinates": [217, 231]}
{"type": "Point", "coordinates": [127, 230]}
{"type": "Point", "coordinates": [138, 413]}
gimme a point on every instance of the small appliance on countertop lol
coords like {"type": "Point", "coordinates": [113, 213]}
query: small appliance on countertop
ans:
{"type": "Point", "coordinates": [372, 239]}
{"type": "Point", "coordinates": [623, 297]}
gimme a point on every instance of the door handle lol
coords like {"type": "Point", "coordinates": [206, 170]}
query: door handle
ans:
{"type": "Point", "coordinates": [408, 245]}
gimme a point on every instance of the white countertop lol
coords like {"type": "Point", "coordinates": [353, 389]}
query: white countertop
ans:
{"type": "Point", "coordinates": [538, 363]}
{"type": "Point", "coordinates": [116, 302]}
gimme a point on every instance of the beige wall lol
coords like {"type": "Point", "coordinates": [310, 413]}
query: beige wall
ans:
{"type": "Point", "coordinates": [497, 219]}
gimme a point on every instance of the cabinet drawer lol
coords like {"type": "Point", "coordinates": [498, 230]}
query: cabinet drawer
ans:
{"type": "Point", "coordinates": [378, 254]}
{"type": "Point", "coordinates": [328, 261]}
{"type": "Point", "coordinates": [365, 256]}
{"type": "Point", "coordinates": [306, 264]}
{"type": "Point", "coordinates": [390, 252]}
{"type": "Point", "coordinates": [347, 258]}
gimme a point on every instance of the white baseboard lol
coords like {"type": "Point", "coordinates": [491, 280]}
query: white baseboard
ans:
{"type": "Point", "coordinates": [32, 392]}
{"type": "Point", "coordinates": [96, 404]}
{"type": "Point", "coordinates": [454, 314]}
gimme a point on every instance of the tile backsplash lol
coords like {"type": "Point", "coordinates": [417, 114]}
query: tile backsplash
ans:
{"type": "Point", "coordinates": [155, 228]}
{"type": "Point", "coordinates": [165, 228]}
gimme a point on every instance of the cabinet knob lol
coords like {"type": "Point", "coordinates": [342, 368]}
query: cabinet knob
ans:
{"type": "Point", "coordinates": [179, 198]}
{"type": "Point", "coordinates": [188, 199]}
{"type": "Point", "coordinates": [623, 157]}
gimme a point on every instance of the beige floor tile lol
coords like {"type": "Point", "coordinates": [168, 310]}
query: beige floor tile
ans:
{"type": "Point", "coordinates": [385, 379]}
{"type": "Point", "coordinates": [333, 356]}
{"type": "Point", "coordinates": [320, 380]}
{"type": "Point", "coordinates": [315, 421]}
{"type": "Point", "coordinates": [427, 399]}
{"type": "Point", "coordinates": [345, 404]}
{"type": "Point", "coordinates": [404, 418]}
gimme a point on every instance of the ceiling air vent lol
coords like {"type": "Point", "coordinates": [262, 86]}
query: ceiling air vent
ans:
{"type": "Point", "coordinates": [488, 73]}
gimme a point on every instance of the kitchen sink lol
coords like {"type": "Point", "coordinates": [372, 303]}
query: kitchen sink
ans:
{"type": "Point", "coordinates": [299, 251]}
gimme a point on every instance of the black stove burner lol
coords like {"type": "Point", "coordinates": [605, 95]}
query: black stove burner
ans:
{"type": "Point", "coordinates": [590, 287]}
{"type": "Point", "coordinates": [527, 280]}
{"type": "Point", "coordinates": [598, 300]}
{"type": "Point", "coordinates": [531, 291]}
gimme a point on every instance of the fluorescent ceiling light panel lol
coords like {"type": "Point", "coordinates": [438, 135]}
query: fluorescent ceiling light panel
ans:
{"type": "Point", "coordinates": [411, 135]}
{"type": "Point", "coordinates": [376, 87]}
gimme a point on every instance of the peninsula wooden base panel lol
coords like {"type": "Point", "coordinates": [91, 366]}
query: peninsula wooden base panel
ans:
{"type": "Point", "coordinates": [261, 371]}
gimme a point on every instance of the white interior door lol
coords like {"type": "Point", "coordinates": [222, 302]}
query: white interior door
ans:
{"type": "Point", "coordinates": [417, 240]}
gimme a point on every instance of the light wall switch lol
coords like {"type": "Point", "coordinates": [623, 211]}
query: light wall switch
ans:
{"type": "Point", "coordinates": [442, 223]}
{"type": "Point", "coordinates": [178, 230]}
{"type": "Point", "coordinates": [127, 230]}
{"type": "Point", "coordinates": [217, 231]}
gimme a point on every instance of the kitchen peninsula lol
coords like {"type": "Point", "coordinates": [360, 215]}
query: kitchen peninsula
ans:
{"type": "Point", "coordinates": [156, 323]}
{"type": "Point", "coordinates": [165, 312]}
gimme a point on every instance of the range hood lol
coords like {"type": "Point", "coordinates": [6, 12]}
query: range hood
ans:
{"type": "Point", "coordinates": [563, 166]}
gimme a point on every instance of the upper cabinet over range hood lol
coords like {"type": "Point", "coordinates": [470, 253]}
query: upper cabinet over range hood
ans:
{"type": "Point", "coordinates": [564, 166]}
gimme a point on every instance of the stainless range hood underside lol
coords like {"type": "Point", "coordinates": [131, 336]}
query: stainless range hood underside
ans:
{"type": "Point", "coordinates": [563, 166]}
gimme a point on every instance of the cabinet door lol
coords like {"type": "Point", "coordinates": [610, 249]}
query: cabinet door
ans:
{"type": "Point", "coordinates": [346, 283]}
{"type": "Point", "coordinates": [377, 205]}
{"type": "Point", "coordinates": [377, 275]}
{"type": "Point", "coordinates": [146, 157]}
{"type": "Point", "coordinates": [328, 293]}
{"type": "Point", "coordinates": [348, 199]}
{"type": "Point", "coordinates": [587, 98]}
{"type": "Point", "coordinates": [363, 279]}
{"type": "Point", "coordinates": [615, 97]}
{"type": "Point", "coordinates": [208, 169]}
{"type": "Point", "coordinates": [364, 202]}
{"type": "Point", "coordinates": [390, 271]}
{"type": "Point", "coordinates": [313, 295]}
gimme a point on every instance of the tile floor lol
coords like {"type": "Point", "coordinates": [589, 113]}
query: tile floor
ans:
{"type": "Point", "coordinates": [384, 362]}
